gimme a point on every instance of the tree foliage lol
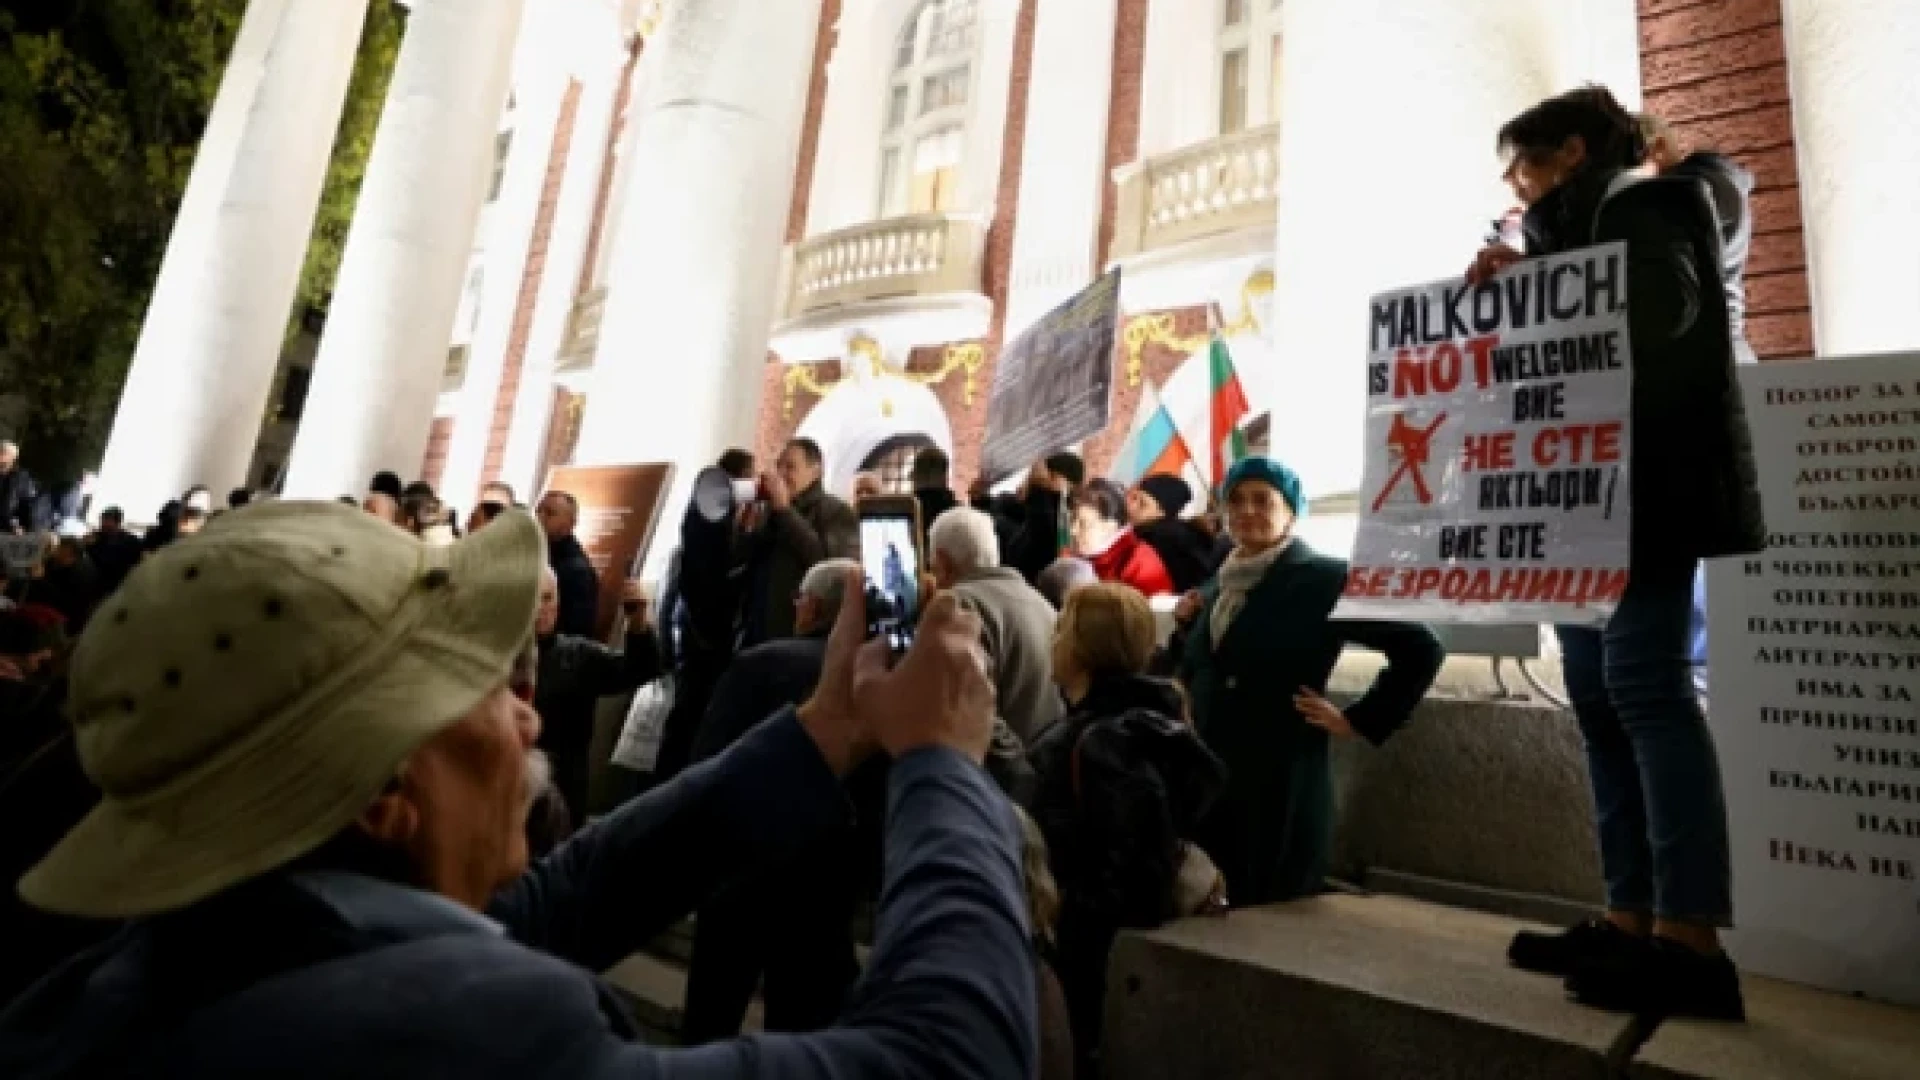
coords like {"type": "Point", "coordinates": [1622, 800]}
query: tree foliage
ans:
{"type": "Point", "coordinates": [101, 107]}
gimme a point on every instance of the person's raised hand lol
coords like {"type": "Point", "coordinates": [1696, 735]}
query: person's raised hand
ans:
{"type": "Point", "coordinates": [778, 496]}
{"type": "Point", "coordinates": [937, 695]}
{"type": "Point", "coordinates": [1490, 261]}
{"type": "Point", "coordinates": [829, 715]}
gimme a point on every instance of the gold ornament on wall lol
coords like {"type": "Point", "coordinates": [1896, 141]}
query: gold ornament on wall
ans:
{"type": "Point", "coordinates": [1157, 328]}
{"type": "Point", "coordinates": [968, 358]}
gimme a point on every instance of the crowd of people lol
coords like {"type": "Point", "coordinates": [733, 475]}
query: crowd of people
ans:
{"type": "Point", "coordinates": [310, 783]}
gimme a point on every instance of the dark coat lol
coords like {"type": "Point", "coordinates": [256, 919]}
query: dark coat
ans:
{"type": "Point", "coordinates": [812, 527]}
{"type": "Point", "coordinates": [1272, 829]}
{"type": "Point", "coordinates": [575, 673]}
{"type": "Point", "coordinates": [1696, 491]}
{"type": "Point", "coordinates": [115, 554]}
{"type": "Point", "coordinates": [761, 681]}
{"type": "Point", "coordinates": [1730, 187]}
{"type": "Point", "coordinates": [933, 503]}
{"type": "Point", "coordinates": [18, 497]}
{"type": "Point", "coordinates": [1031, 536]}
{"type": "Point", "coordinates": [579, 588]}
{"type": "Point", "coordinates": [1191, 555]}
{"type": "Point", "coordinates": [329, 974]}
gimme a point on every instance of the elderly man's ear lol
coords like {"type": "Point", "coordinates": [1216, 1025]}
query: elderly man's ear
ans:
{"type": "Point", "coordinates": [392, 818]}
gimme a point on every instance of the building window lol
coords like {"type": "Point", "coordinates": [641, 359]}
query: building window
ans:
{"type": "Point", "coordinates": [1249, 82]}
{"type": "Point", "coordinates": [502, 146]}
{"type": "Point", "coordinates": [927, 103]}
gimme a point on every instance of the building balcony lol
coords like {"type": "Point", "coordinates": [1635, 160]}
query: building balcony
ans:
{"type": "Point", "coordinates": [1200, 197]}
{"type": "Point", "coordinates": [916, 278]}
{"type": "Point", "coordinates": [583, 337]}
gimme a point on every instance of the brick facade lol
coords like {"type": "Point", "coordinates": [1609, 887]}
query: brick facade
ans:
{"type": "Point", "coordinates": [530, 281]}
{"type": "Point", "coordinates": [439, 441]}
{"type": "Point", "coordinates": [1123, 113]}
{"type": "Point", "coordinates": [610, 167]}
{"type": "Point", "coordinates": [1716, 70]}
{"type": "Point", "coordinates": [824, 41]}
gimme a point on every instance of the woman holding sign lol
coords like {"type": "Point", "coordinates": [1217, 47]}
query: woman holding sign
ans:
{"type": "Point", "coordinates": [1259, 650]}
{"type": "Point", "coordinates": [1656, 780]}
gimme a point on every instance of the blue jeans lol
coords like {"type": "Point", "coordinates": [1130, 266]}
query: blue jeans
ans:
{"type": "Point", "coordinates": [1656, 780]}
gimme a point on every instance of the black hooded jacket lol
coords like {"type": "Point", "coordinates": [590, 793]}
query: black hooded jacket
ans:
{"type": "Point", "coordinates": [1696, 492]}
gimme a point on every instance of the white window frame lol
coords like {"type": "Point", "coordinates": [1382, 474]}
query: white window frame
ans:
{"type": "Point", "coordinates": [1255, 34]}
{"type": "Point", "coordinates": [895, 191]}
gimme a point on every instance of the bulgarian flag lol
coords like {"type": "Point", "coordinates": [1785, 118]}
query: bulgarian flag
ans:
{"type": "Point", "coordinates": [1230, 410]}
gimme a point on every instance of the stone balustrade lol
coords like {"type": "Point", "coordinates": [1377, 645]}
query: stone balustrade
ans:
{"type": "Point", "coordinates": [1219, 186]}
{"type": "Point", "coordinates": [917, 255]}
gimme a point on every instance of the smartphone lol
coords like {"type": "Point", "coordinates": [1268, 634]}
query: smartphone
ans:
{"type": "Point", "coordinates": [891, 556]}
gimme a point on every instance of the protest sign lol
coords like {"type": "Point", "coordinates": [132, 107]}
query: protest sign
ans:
{"type": "Point", "coordinates": [1053, 386]}
{"type": "Point", "coordinates": [1495, 488]}
{"type": "Point", "coordinates": [619, 508]}
{"type": "Point", "coordinates": [1814, 680]}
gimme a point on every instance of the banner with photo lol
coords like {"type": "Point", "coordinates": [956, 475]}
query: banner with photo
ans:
{"type": "Point", "coordinates": [1498, 448]}
{"type": "Point", "coordinates": [1053, 385]}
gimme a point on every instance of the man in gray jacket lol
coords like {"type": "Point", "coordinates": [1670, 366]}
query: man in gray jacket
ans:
{"type": "Point", "coordinates": [1016, 622]}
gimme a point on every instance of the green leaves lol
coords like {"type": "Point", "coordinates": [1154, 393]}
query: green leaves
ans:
{"type": "Point", "coordinates": [102, 103]}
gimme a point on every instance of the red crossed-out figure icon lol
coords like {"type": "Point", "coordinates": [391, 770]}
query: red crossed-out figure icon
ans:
{"type": "Point", "coordinates": [1412, 447]}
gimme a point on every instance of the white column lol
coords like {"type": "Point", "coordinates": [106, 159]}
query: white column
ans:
{"type": "Point", "coordinates": [1428, 86]}
{"type": "Point", "coordinates": [385, 344]}
{"type": "Point", "coordinates": [1855, 69]}
{"type": "Point", "coordinates": [540, 89]}
{"type": "Point", "coordinates": [691, 295]}
{"type": "Point", "coordinates": [846, 173]}
{"type": "Point", "coordinates": [573, 223]}
{"type": "Point", "coordinates": [1062, 168]}
{"type": "Point", "coordinates": [1178, 73]}
{"type": "Point", "coordinates": [197, 389]}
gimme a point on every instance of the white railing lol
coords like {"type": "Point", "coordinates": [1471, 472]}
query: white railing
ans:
{"type": "Point", "coordinates": [1219, 186]}
{"type": "Point", "coordinates": [583, 332]}
{"type": "Point", "coordinates": [918, 255]}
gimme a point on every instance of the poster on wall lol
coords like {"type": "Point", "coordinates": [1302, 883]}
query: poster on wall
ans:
{"type": "Point", "coordinates": [1498, 437]}
{"type": "Point", "coordinates": [619, 508]}
{"type": "Point", "coordinates": [1053, 385]}
{"type": "Point", "coordinates": [1814, 680]}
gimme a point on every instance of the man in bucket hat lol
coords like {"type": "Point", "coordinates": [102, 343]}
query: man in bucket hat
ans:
{"type": "Point", "coordinates": [314, 777]}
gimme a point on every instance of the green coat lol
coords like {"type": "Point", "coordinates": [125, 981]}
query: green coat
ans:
{"type": "Point", "coordinates": [1271, 831]}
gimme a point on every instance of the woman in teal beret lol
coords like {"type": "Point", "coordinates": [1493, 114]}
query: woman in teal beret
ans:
{"type": "Point", "coordinates": [1260, 646]}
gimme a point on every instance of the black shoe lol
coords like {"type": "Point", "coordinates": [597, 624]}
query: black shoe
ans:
{"type": "Point", "coordinates": [1563, 953]}
{"type": "Point", "coordinates": [1667, 979]}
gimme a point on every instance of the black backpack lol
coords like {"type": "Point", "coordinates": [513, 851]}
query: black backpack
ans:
{"type": "Point", "coordinates": [1140, 782]}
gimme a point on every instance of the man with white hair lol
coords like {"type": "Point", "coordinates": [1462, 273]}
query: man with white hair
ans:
{"type": "Point", "coordinates": [791, 931]}
{"type": "Point", "coordinates": [1016, 622]}
{"type": "Point", "coordinates": [17, 493]}
{"type": "Point", "coordinates": [575, 673]}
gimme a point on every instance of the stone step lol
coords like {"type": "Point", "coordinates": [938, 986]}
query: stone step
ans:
{"type": "Point", "coordinates": [1346, 986]}
{"type": "Point", "coordinates": [1387, 987]}
{"type": "Point", "coordinates": [1792, 1033]}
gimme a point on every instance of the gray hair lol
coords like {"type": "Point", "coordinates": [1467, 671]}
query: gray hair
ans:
{"type": "Point", "coordinates": [966, 536]}
{"type": "Point", "coordinates": [827, 582]}
{"type": "Point", "coordinates": [1067, 573]}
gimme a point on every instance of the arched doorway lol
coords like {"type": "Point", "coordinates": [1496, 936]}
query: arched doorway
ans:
{"type": "Point", "coordinates": [875, 422]}
{"type": "Point", "coordinates": [892, 462]}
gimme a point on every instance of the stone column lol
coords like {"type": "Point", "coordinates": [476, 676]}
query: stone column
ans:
{"type": "Point", "coordinates": [1855, 95]}
{"type": "Point", "coordinates": [384, 349]}
{"type": "Point", "coordinates": [573, 223]}
{"type": "Point", "coordinates": [1388, 177]}
{"type": "Point", "coordinates": [197, 390]}
{"type": "Point", "coordinates": [1062, 167]}
{"type": "Point", "coordinates": [723, 85]}
{"type": "Point", "coordinates": [512, 221]}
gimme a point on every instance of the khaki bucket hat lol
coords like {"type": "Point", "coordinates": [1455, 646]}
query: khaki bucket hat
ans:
{"type": "Point", "coordinates": [248, 691]}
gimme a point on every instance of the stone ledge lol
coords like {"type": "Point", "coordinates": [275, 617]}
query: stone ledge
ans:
{"type": "Point", "coordinates": [1485, 793]}
{"type": "Point", "coordinates": [1379, 987]}
{"type": "Point", "coordinates": [1792, 1033]}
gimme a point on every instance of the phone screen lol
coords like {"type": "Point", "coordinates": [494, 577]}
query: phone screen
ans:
{"type": "Point", "coordinates": [892, 564]}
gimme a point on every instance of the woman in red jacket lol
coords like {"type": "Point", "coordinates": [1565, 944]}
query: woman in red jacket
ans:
{"type": "Point", "coordinates": [1102, 537]}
